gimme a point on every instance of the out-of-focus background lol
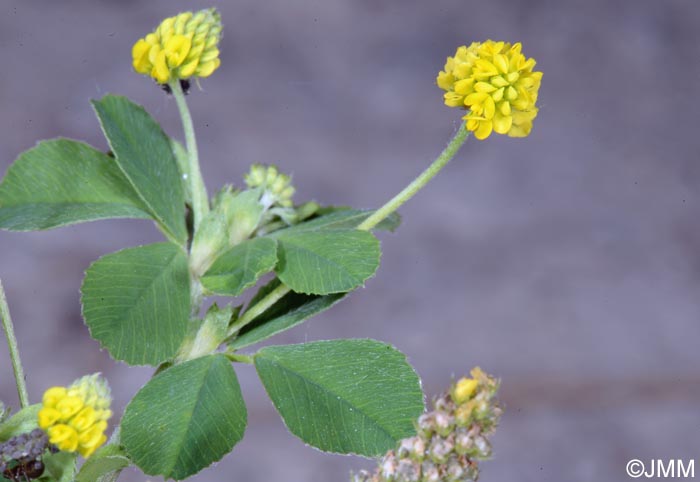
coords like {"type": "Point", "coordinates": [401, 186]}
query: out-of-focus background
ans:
{"type": "Point", "coordinates": [566, 263]}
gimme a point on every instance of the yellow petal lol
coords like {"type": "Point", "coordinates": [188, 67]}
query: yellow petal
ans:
{"type": "Point", "coordinates": [91, 437]}
{"type": "Point", "coordinates": [64, 437]}
{"type": "Point", "coordinates": [153, 53]}
{"type": "Point", "coordinates": [47, 417]}
{"type": "Point", "coordinates": [527, 82]}
{"type": "Point", "coordinates": [489, 107]}
{"type": "Point", "coordinates": [499, 81]}
{"type": "Point", "coordinates": [453, 99]}
{"type": "Point", "coordinates": [475, 98]}
{"type": "Point", "coordinates": [502, 124]}
{"type": "Point", "coordinates": [498, 95]}
{"type": "Point", "coordinates": [160, 69]}
{"type": "Point", "coordinates": [69, 406]}
{"type": "Point", "coordinates": [445, 80]}
{"type": "Point", "coordinates": [152, 39]}
{"type": "Point", "coordinates": [188, 69]}
{"type": "Point", "coordinates": [88, 451]}
{"type": "Point", "coordinates": [504, 108]}
{"type": "Point", "coordinates": [176, 50]}
{"type": "Point", "coordinates": [501, 63]}
{"type": "Point", "coordinates": [522, 117]}
{"type": "Point", "coordinates": [209, 55]}
{"type": "Point", "coordinates": [181, 21]}
{"type": "Point", "coordinates": [486, 66]}
{"type": "Point", "coordinates": [139, 53]}
{"type": "Point", "coordinates": [484, 87]}
{"type": "Point", "coordinates": [464, 86]}
{"type": "Point", "coordinates": [165, 29]}
{"type": "Point", "coordinates": [522, 130]}
{"type": "Point", "coordinates": [83, 419]}
{"type": "Point", "coordinates": [53, 395]}
{"type": "Point", "coordinates": [462, 71]}
{"type": "Point", "coordinates": [206, 69]}
{"type": "Point", "coordinates": [484, 130]}
{"type": "Point", "coordinates": [513, 77]}
{"type": "Point", "coordinates": [528, 65]}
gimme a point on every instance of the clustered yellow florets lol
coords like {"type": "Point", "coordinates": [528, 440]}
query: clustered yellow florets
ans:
{"type": "Point", "coordinates": [182, 46]}
{"type": "Point", "coordinates": [75, 417]}
{"type": "Point", "coordinates": [496, 83]}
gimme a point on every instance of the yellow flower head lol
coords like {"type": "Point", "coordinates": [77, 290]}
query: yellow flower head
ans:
{"type": "Point", "coordinates": [75, 417]}
{"type": "Point", "coordinates": [496, 83]}
{"type": "Point", "coordinates": [182, 46]}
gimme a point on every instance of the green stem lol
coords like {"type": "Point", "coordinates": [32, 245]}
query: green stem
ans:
{"type": "Point", "coordinates": [258, 308]}
{"type": "Point", "coordinates": [14, 350]}
{"type": "Point", "coordinates": [447, 154]}
{"type": "Point", "coordinates": [200, 200]}
{"type": "Point", "coordinates": [237, 357]}
{"type": "Point", "coordinates": [410, 190]}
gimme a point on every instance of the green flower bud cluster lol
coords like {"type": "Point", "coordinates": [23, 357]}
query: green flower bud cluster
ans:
{"type": "Point", "coordinates": [238, 215]}
{"type": "Point", "coordinates": [450, 440]}
{"type": "Point", "coordinates": [277, 187]}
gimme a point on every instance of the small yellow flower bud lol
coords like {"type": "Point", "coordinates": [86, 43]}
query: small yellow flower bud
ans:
{"type": "Point", "coordinates": [75, 417]}
{"type": "Point", "coordinates": [181, 47]}
{"type": "Point", "coordinates": [464, 389]}
{"type": "Point", "coordinates": [496, 83]}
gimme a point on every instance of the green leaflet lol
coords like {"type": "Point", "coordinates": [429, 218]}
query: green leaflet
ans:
{"type": "Point", "coordinates": [61, 182]}
{"type": "Point", "coordinates": [344, 396]}
{"type": "Point", "coordinates": [145, 156]}
{"type": "Point", "coordinates": [108, 458]}
{"type": "Point", "coordinates": [185, 418]}
{"type": "Point", "coordinates": [325, 261]}
{"type": "Point", "coordinates": [241, 266]}
{"type": "Point", "coordinates": [136, 302]}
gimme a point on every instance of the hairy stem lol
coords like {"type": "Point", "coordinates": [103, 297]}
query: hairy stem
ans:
{"type": "Point", "coordinates": [14, 350]}
{"type": "Point", "coordinates": [200, 199]}
{"type": "Point", "coordinates": [258, 308]}
{"type": "Point", "coordinates": [407, 193]}
{"type": "Point", "coordinates": [418, 183]}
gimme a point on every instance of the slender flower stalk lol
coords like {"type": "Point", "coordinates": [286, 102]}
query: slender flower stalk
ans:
{"type": "Point", "coordinates": [377, 217]}
{"type": "Point", "coordinates": [13, 349]}
{"type": "Point", "coordinates": [200, 203]}
{"type": "Point", "coordinates": [257, 309]}
{"type": "Point", "coordinates": [409, 191]}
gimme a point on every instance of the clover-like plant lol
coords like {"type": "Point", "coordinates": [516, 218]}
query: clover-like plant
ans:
{"type": "Point", "coordinates": [144, 304]}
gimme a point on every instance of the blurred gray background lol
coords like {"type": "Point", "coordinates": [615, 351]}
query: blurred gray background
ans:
{"type": "Point", "coordinates": [566, 263]}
